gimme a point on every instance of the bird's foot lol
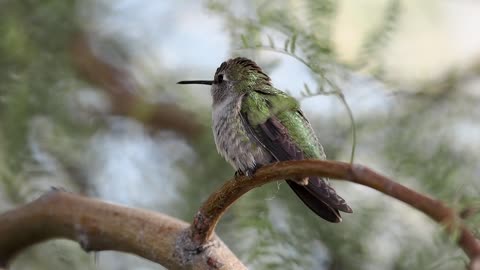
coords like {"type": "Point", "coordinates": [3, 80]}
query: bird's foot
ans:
{"type": "Point", "coordinates": [251, 171]}
{"type": "Point", "coordinates": [248, 172]}
{"type": "Point", "coordinates": [239, 173]}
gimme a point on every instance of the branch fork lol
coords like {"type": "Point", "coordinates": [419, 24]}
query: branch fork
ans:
{"type": "Point", "coordinates": [173, 243]}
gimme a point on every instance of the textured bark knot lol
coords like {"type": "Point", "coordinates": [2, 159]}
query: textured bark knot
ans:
{"type": "Point", "coordinates": [214, 263]}
{"type": "Point", "coordinates": [187, 249]}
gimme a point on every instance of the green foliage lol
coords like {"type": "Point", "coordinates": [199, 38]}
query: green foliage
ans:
{"type": "Point", "coordinates": [34, 72]}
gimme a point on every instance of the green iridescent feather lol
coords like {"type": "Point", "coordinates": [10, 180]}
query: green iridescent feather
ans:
{"type": "Point", "coordinates": [259, 106]}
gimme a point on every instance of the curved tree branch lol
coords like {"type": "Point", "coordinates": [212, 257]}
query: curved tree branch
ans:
{"type": "Point", "coordinates": [212, 210]}
{"type": "Point", "coordinates": [97, 226]}
{"type": "Point", "coordinates": [100, 226]}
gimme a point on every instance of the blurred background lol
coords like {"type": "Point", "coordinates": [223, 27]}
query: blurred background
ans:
{"type": "Point", "coordinates": [88, 102]}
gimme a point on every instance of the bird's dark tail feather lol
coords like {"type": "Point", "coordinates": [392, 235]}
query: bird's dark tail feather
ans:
{"type": "Point", "coordinates": [321, 198]}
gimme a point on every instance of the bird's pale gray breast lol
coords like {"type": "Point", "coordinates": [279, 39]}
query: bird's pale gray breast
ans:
{"type": "Point", "coordinates": [232, 139]}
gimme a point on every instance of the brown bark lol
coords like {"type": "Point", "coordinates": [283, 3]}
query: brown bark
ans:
{"type": "Point", "coordinates": [97, 226]}
{"type": "Point", "coordinates": [171, 242]}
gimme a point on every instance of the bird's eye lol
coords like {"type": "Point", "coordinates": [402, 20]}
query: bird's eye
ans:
{"type": "Point", "coordinates": [220, 78]}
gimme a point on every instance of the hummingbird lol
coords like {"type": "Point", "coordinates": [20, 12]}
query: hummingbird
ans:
{"type": "Point", "coordinates": [255, 124]}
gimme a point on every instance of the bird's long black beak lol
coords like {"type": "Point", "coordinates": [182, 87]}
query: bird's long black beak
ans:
{"type": "Point", "coordinates": [196, 82]}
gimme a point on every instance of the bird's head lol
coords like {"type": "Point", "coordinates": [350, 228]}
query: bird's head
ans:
{"type": "Point", "coordinates": [235, 77]}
